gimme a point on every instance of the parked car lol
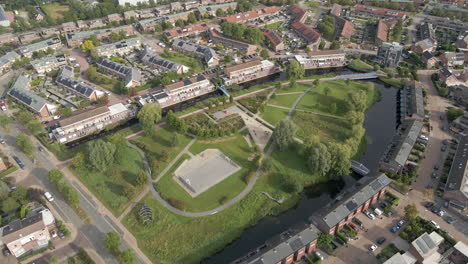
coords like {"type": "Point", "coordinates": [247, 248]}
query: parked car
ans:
{"type": "Point", "coordinates": [377, 211]}
{"type": "Point", "coordinates": [434, 174]}
{"type": "Point", "coordinates": [370, 215]}
{"type": "Point", "coordinates": [373, 247]}
{"type": "Point", "coordinates": [445, 141]}
{"type": "Point", "coordinates": [354, 227]}
{"type": "Point", "coordinates": [357, 221]}
{"type": "Point", "coordinates": [53, 233]}
{"type": "Point", "coordinates": [432, 222]}
{"type": "Point", "coordinates": [19, 162]}
{"type": "Point", "coordinates": [436, 167]}
{"type": "Point", "coordinates": [320, 256]}
{"type": "Point", "coordinates": [441, 213]}
{"type": "Point", "coordinates": [6, 252]}
{"type": "Point", "coordinates": [429, 205]}
{"type": "Point", "coordinates": [381, 240]}
{"type": "Point", "coordinates": [40, 148]}
{"type": "Point", "coordinates": [443, 148]}
{"type": "Point", "coordinates": [394, 229]}
{"type": "Point", "coordinates": [435, 210]}
{"type": "Point", "coordinates": [49, 196]}
{"type": "Point", "coordinates": [401, 223]}
{"type": "Point", "coordinates": [450, 220]}
{"type": "Point", "coordinates": [61, 234]}
{"type": "Point", "coordinates": [2, 141]}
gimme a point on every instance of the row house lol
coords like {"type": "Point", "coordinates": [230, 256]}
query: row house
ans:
{"type": "Point", "coordinates": [426, 31]}
{"type": "Point", "coordinates": [149, 24]}
{"type": "Point", "coordinates": [421, 46]}
{"type": "Point", "coordinates": [28, 37]}
{"type": "Point", "coordinates": [149, 58]}
{"type": "Point", "coordinates": [176, 6]}
{"type": "Point", "coordinates": [8, 38]}
{"type": "Point", "coordinates": [122, 47]}
{"type": "Point", "coordinates": [69, 27]}
{"type": "Point", "coordinates": [67, 81]}
{"type": "Point", "coordinates": [6, 61]}
{"type": "Point", "coordinates": [132, 2]}
{"type": "Point", "coordinates": [211, 9]}
{"type": "Point", "coordinates": [160, 96]}
{"type": "Point", "coordinates": [253, 14]}
{"type": "Point", "coordinates": [208, 54]}
{"type": "Point", "coordinates": [130, 75]}
{"type": "Point", "coordinates": [365, 11]}
{"type": "Point", "coordinates": [288, 247]}
{"type": "Point", "coordinates": [146, 13]}
{"type": "Point", "coordinates": [81, 24]}
{"type": "Point", "coordinates": [88, 121]}
{"type": "Point", "coordinates": [47, 32]}
{"type": "Point", "coordinates": [30, 234]}
{"type": "Point", "coordinates": [274, 40]}
{"type": "Point", "coordinates": [130, 14]}
{"type": "Point", "coordinates": [429, 60]}
{"type": "Point", "coordinates": [243, 47]}
{"type": "Point", "coordinates": [462, 42]}
{"type": "Point", "coordinates": [48, 63]}
{"type": "Point", "coordinates": [249, 71]}
{"type": "Point", "coordinates": [322, 59]}
{"type": "Point", "coordinates": [425, 248]}
{"type": "Point", "coordinates": [453, 78]}
{"type": "Point", "coordinates": [336, 10]}
{"type": "Point", "coordinates": [194, 29]}
{"type": "Point", "coordinates": [163, 10]}
{"type": "Point", "coordinates": [344, 28]}
{"type": "Point", "coordinates": [174, 17]}
{"type": "Point", "coordinates": [97, 23]}
{"type": "Point", "coordinates": [76, 38]}
{"type": "Point", "coordinates": [389, 54]}
{"type": "Point", "coordinates": [364, 195]}
{"type": "Point", "coordinates": [396, 155]}
{"type": "Point", "coordinates": [299, 14]}
{"type": "Point", "coordinates": [188, 88]}
{"type": "Point", "coordinates": [383, 29]}
{"type": "Point", "coordinates": [21, 93]}
{"type": "Point", "coordinates": [28, 50]}
{"type": "Point", "coordinates": [452, 59]}
{"type": "Point", "coordinates": [190, 5]}
{"type": "Point", "coordinates": [456, 186]}
{"type": "Point", "coordinates": [311, 36]}
{"type": "Point", "coordinates": [411, 103]}
{"type": "Point", "coordinates": [114, 17]}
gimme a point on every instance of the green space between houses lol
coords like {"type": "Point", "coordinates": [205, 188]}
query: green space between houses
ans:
{"type": "Point", "coordinates": [6, 172]}
{"type": "Point", "coordinates": [286, 100]}
{"type": "Point", "coordinates": [55, 10]}
{"type": "Point", "coordinates": [276, 25]}
{"type": "Point", "coordinates": [235, 148]}
{"type": "Point", "coordinates": [109, 189]}
{"type": "Point", "coordinates": [273, 115]}
{"type": "Point", "coordinates": [191, 62]}
{"type": "Point", "coordinates": [159, 149]}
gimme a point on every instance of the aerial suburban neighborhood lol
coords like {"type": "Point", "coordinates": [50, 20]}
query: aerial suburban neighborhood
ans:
{"type": "Point", "coordinates": [234, 131]}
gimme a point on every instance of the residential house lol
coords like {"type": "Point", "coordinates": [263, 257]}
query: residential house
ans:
{"type": "Point", "coordinates": [190, 5]}
{"type": "Point", "coordinates": [462, 42]}
{"type": "Point", "coordinates": [452, 59]}
{"type": "Point", "coordinates": [76, 38]}
{"type": "Point", "coordinates": [28, 37]}
{"type": "Point", "coordinates": [4, 21]}
{"type": "Point", "coordinates": [398, 258]}
{"type": "Point", "coordinates": [211, 9]}
{"type": "Point", "coordinates": [208, 54]}
{"type": "Point", "coordinates": [188, 30]}
{"type": "Point", "coordinates": [187, 89]}
{"type": "Point", "coordinates": [426, 31]}
{"type": "Point", "coordinates": [389, 54]}
{"type": "Point", "coordinates": [81, 24]}
{"type": "Point", "coordinates": [97, 23]}
{"type": "Point", "coordinates": [78, 87]}
{"type": "Point", "coordinates": [298, 14]}
{"type": "Point", "coordinates": [129, 14]}
{"type": "Point", "coordinates": [322, 59]}
{"type": "Point", "coordinates": [159, 96]}
{"type": "Point", "coordinates": [114, 17]}
{"type": "Point", "coordinates": [336, 10]}
{"type": "Point", "coordinates": [424, 248]}
{"type": "Point", "coordinates": [275, 42]}
{"type": "Point", "coordinates": [383, 29]}
{"type": "Point", "coordinates": [23, 236]}
{"type": "Point", "coordinates": [8, 38]}
{"type": "Point", "coordinates": [21, 94]}
{"type": "Point", "coordinates": [174, 17]}
{"type": "Point", "coordinates": [344, 28]}
{"type": "Point", "coordinates": [429, 60]}
{"type": "Point", "coordinates": [163, 10]}
{"type": "Point", "coordinates": [450, 78]}
{"type": "Point", "coordinates": [243, 47]}
{"type": "Point", "coordinates": [253, 14]}
{"type": "Point", "coordinates": [47, 32]}
{"type": "Point", "coordinates": [6, 61]}
{"type": "Point", "coordinates": [91, 120]}
{"type": "Point", "coordinates": [365, 11]}
{"type": "Point", "coordinates": [397, 153]}
{"type": "Point", "coordinates": [311, 36]}
{"type": "Point", "coordinates": [456, 187]}
{"type": "Point", "coordinates": [460, 125]}
{"type": "Point", "coordinates": [411, 103]}
{"type": "Point", "coordinates": [48, 63]}
{"type": "Point", "coordinates": [428, 45]}
{"type": "Point", "coordinates": [459, 255]}
{"type": "Point", "coordinates": [146, 13]}
{"type": "Point", "coordinates": [28, 50]}
{"type": "Point", "coordinates": [249, 71]}
{"type": "Point", "coordinates": [149, 24]}
{"type": "Point", "coordinates": [69, 27]}
{"type": "Point", "coordinates": [149, 58]}
{"type": "Point", "coordinates": [332, 218]}
{"type": "Point", "coordinates": [460, 94]}
{"type": "Point", "coordinates": [131, 2]}
{"type": "Point", "coordinates": [130, 75]}
{"type": "Point", "coordinates": [176, 6]}
{"type": "Point", "coordinates": [122, 47]}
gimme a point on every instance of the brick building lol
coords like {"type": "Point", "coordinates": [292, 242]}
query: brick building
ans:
{"type": "Point", "coordinates": [206, 53]}
{"type": "Point", "coordinates": [48, 63]}
{"type": "Point", "coordinates": [383, 29]}
{"type": "Point", "coordinates": [193, 29]}
{"type": "Point", "coordinates": [253, 14]}
{"type": "Point", "coordinates": [429, 60]}
{"type": "Point", "coordinates": [311, 36]}
{"type": "Point", "coordinates": [79, 87]}
{"type": "Point", "coordinates": [275, 42]}
{"type": "Point", "coordinates": [149, 58]}
{"type": "Point", "coordinates": [211, 9]}
{"type": "Point", "coordinates": [365, 11]}
{"type": "Point", "coordinates": [452, 59]}
{"type": "Point", "coordinates": [322, 59]}
{"type": "Point", "coordinates": [243, 47]}
{"type": "Point", "coordinates": [123, 47]}
{"type": "Point", "coordinates": [130, 75]}
{"type": "Point", "coordinates": [28, 50]}
{"type": "Point", "coordinates": [249, 71]}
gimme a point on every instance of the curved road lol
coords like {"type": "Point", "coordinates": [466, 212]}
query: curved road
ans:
{"type": "Point", "coordinates": [236, 199]}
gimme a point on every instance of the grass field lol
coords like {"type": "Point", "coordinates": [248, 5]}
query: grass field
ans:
{"type": "Point", "coordinates": [235, 148]}
{"type": "Point", "coordinates": [160, 145]}
{"type": "Point", "coordinates": [328, 128]}
{"type": "Point", "coordinates": [275, 25]}
{"type": "Point", "coordinates": [273, 115]}
{"type": "Point", "coordinates": [360, 66]}
{"type": "Point", "coordinates": [194, 64]}
{"type": "Point", "coordinates": [55, 11]}
{"type": "Point", "coordinates": [109, 189]}
{"type": "Point", "coordinates": [298, 87]}
{"type": "Point", "coordinates": [286, 100]}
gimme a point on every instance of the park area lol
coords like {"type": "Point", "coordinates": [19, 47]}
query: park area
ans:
{"type": "Point", "coordinates": [55, 10]}
{"type": "Point", "coordinates": [191, 62]}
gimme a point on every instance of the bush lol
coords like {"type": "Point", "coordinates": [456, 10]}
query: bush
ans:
{"type": "Point", "coordinates": [176, 203]}
{"type": "Point", "coordinates": [249, 176]}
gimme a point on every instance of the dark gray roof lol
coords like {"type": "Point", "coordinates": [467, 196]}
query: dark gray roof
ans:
{"type": "Point", "coordinates": [3, 16]}
{"type": "Point", "coordinates": [67, 79]}
{"type": "Point", "coordinates": [400, 148]}
{"type": "Point", "coordinates": [127, 73]}
{"type": "Point", "coordinates": [202, 51]}
{"type": "Point", "coordinates": [20, 224]}
{"type": "Point", "coordinates": [445, 72]}
{"type": "Point", "coordinates": [458, 176]}
{"type": "Point", "coordinates": [20, 92]}
{"type": "Point", "coordinates": [8, 58]}
{"type": "Point", "coordinates": [427, 55]}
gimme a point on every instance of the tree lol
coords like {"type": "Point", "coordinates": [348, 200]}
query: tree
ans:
{"type": "Point", "coordinates": [220, 12]}
{"type": "Point", "coordinates": [23, 211]}
{"type": "Point", "coordinates": [180, 23]}
{"type": "Point", "coordinates": [175, 140]}
{"type": "Point", "coordinates": [24, 143]}
{"type": "Point", "coordinates": [141, 178]}
{"type": "Point", "coordinates": [55, 176]}
{"type": "Point", "coordinates": [335, 45]}
{"type": "Point", "coordinates": [78, 160]}
{"type": "Point", "coordinates": [294, 71]}
{"type": "Point", "coordinates": [292, 184]}
{"type": "Point", "coordinates": [66, 111]}
{"type": "Point", "coordinates": [34, 127]}
{"type": "Point", "coordinates": [20, 194]}
{"type": "Point", "coordinates": [158, 28]}
{"type": "Point", "coordinates": [264, 53]}
{"type": "Point", "coordinates": [87, 46]}
{"type": "Point", "coordinates": [112, 242]}
{"type": "Point", "coordinates": [355, 117]}
{"type": "Point", "coordinates": [191, 18]}
{"type": "Point", "coordinates": [284, 133]}
{"type": "Point", "coordinates": [340, 159]}
{"type": "Point", "coordinates": [228, 58]}
{"type": "Point", "coordinates": [101, 154]}
{"type": "Point", "coordinates": [5, 120]}
{"type": "Point", "coordinates": [128, 190]}
{"type": "Point", "coordinates": [127, 257]}
{"type": "Point", "coordinates": [24, 117]}
{"type": "Point", "coordinates": [322, 44]}
{"type": "Point", "coordinates": [319, 160]}
{"type": "Point", "coordinates": [454, 113]}
{"type": "Point", "coordinates": [358, 100]}
{"type": "Point", "coordinates": [3, 190]}
{"type": "Point", "coordinates": [324, 240]}
{"type": "Point", "coordinates": [149, 116]}
{"type": "Point", "coordinates": [411, 212]}
{"type": "Point", "coordinates": [9, 204]}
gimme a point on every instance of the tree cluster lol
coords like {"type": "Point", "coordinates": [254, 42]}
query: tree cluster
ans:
{"type": "Point", "coordinates": [327, 27]}
{"type": "Point", "coordinates": [149, 115]}
{"type": "Point", "coordinates": [251, 35]}
{"type": "Point", "coordinates": [176, 123]}
{"type": "Point", "coordinates": [112, 241]}
{"type": "Point", "coordinates": [284, 134]}
{"type": "Point", "coordinates": [70, 195]}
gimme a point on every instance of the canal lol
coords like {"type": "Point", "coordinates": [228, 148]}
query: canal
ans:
{"type": "Point", "coordinates": [380, 125]}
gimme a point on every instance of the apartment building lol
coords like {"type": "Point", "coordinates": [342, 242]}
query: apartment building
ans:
{"type": "Point", "coordinates": [88, 121]}
{"type": "Point", "coordinates": [189, 88]}
{"type": "Point", "coordinates": [332, 218]}
{"type": "Point", "coordinates": [179, 32]}
{"type": "Point", "coordinates": [365, 11]}
{"type": "Point", "coordinates": [383, 29]}
{"type": "Point", "coordinates": [130, 75]}
{"type": "Point", "coordinates": [389, 54]}
{"type": "Point", "coordinates": [7, 60]}
{"type": "Point", "coordinates": [123, 47]}
{"type": "Point", "coordinates": [243, 47]}
{"type": "Point", "coordinates": [411, 103]}
{"type": "Point", "coordinates": [274, 40]}
{"type": "Point", "coordinates": [28, 50]}
{"type": "Point", "coordinates": [428, 45]}
{"type": "Point", "coordinates": [8, 38]}
{"type": "Point", "coordinates": [21, 94]}
{"type": "Point", "coordinates": [23, 236]}
{"type": "Point", "coordinates": [452, 59]}
{"type": "Point", "coordinates": [211, 9]}
{"type": "Point", "coordinates": [149, 58]}
{"type": "Point", "coordinates": [249, 71]}
{"type": "Point", "coordinates": [322, 59]}
{"type": "Point", "coordinates": [456, 187]}
{"type": "Point", "coordinates": [76, 38]}
{"type": "Point", "coordinates": [78, 87]}
{"type": "Point", "coordinates": [398, 151]}
{"type": "Point", "coordinates": [208, 54]}
{"type": "Point", "coordinates": [48, 63]}
{"type": "Point", "coordinates": [253, 14]}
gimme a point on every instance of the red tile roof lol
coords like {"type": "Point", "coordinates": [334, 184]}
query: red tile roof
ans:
{"type": "Point", "coordinates": [336, 10]}
{"type": "Point", "coordinates": [297, 12]}
{"type": "Point", "coordinates": [185, 30]}
{"type": "Point", "coordinates": [379, 11]}
{"type": "Point", "coordinates": [384, 26]}
{"type": "Point", "coordinates": [252, 14]}
{"type": "Point", "coordinates": [306, 32]}
{"type": "Point", "coordinates": [272, 36]}
{"type": "Point", "coordinates": [348, 30]}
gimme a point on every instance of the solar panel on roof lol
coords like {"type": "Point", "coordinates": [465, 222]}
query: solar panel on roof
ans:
{"type": "Point", "coordinates": [351, 205]}
{"type": "Point", "coordinates": [376, 185]}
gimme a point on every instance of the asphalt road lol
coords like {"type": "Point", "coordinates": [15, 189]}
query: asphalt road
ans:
{"type": "Point", "coordinates": [93, 233]}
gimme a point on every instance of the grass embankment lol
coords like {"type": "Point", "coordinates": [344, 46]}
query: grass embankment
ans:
{"type": "Point", "coordinates": [391, 81]}
{"type": "Point", "coordinates": [234, 147]}
{"type": "Point", "coordinates": [360, 66]}
{"type": "Point", "coordinates": [286, 100]}
{"type": "Point", "coordinates": [6, 172]}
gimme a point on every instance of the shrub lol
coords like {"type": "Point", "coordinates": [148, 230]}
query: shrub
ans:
{"type": "Point", "coordinates": [176, 203]}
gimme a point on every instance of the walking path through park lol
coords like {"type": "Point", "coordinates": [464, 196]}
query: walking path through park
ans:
{"type": "Point", "coordinates": [236, 199]}
{"type": "Point", "coordinates": [289, 93]}
{"type": "Point", "coordinates": [169, 166]}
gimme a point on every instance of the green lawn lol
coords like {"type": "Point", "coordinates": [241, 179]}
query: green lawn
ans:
{"type": "Point", "coordinates": [193, 63]}
{"type": "Point", "coordinates": [275, 25]}
{"type": "Point", "coordinates": [286, 100]}
{"type": "Point", "coordinates": [391, 81]}
{"type": "Point", "coordinates": [327, 128]}
{"type": "Point", "coordinates": [160, 145]}
{"type": "Point", "coordinates": [360, 66]}
{"type": "Point", "coordinates": [6, 172]}
{"type": "Point", "coordinates": [109, 189]}
{"type": "Point", "coordinates": [55, 11]}
{"type": "Point", "coordinates": [298, 87]}
{"type": "Point", "coordinates": [273, 115]}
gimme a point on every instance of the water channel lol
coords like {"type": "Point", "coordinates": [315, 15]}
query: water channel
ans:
{"type": "Point", "coordinates": [380, 126]}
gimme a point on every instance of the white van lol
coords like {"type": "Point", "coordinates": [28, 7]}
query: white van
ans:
{"type": "Point", "coordinates": [48, 196]}
{"type": "Point", "coordinates": [377, 211]}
